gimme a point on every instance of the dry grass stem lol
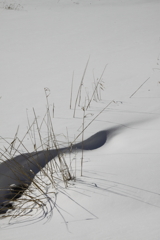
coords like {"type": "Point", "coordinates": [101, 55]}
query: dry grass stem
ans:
{"type": "Point", "coordinates": [139, 87]}
{"type": "Point", "coordinates": [79, 89]}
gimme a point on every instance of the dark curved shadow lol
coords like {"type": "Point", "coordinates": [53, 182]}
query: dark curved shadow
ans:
{"type": "Point", "coordinates": [17, 174]}
{"type": "Point", "coordinates": [93, 142]}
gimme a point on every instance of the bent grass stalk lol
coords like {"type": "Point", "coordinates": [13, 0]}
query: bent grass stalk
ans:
{"type": "Point", "coordinates": [56, 171]}
{"type": "Point", "coordinates": [139, 87]}
{"type": "Point", "coordinates": [91, 122]}
{"type": "Point", "coordinates": [95, 89]}
{"type": "Point", "coordinates": [37, 182]}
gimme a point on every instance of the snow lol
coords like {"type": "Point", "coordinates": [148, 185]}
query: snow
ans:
{"type": "Point", "coordinates": [42, 43]}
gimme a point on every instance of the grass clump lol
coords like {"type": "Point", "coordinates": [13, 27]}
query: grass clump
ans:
{"type": "Point", "coordinates": [36, 195]}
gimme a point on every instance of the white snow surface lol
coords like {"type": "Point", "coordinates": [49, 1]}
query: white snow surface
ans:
{"type": "Point", "coordinates": [42, 42]}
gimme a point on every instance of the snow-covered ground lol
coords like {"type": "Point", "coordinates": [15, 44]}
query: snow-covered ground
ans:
{"type": "Point", "coordinates": [42, 43]}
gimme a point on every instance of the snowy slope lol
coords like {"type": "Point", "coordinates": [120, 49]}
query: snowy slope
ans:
{"type": "Point", "coordinates": [41, 45]}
